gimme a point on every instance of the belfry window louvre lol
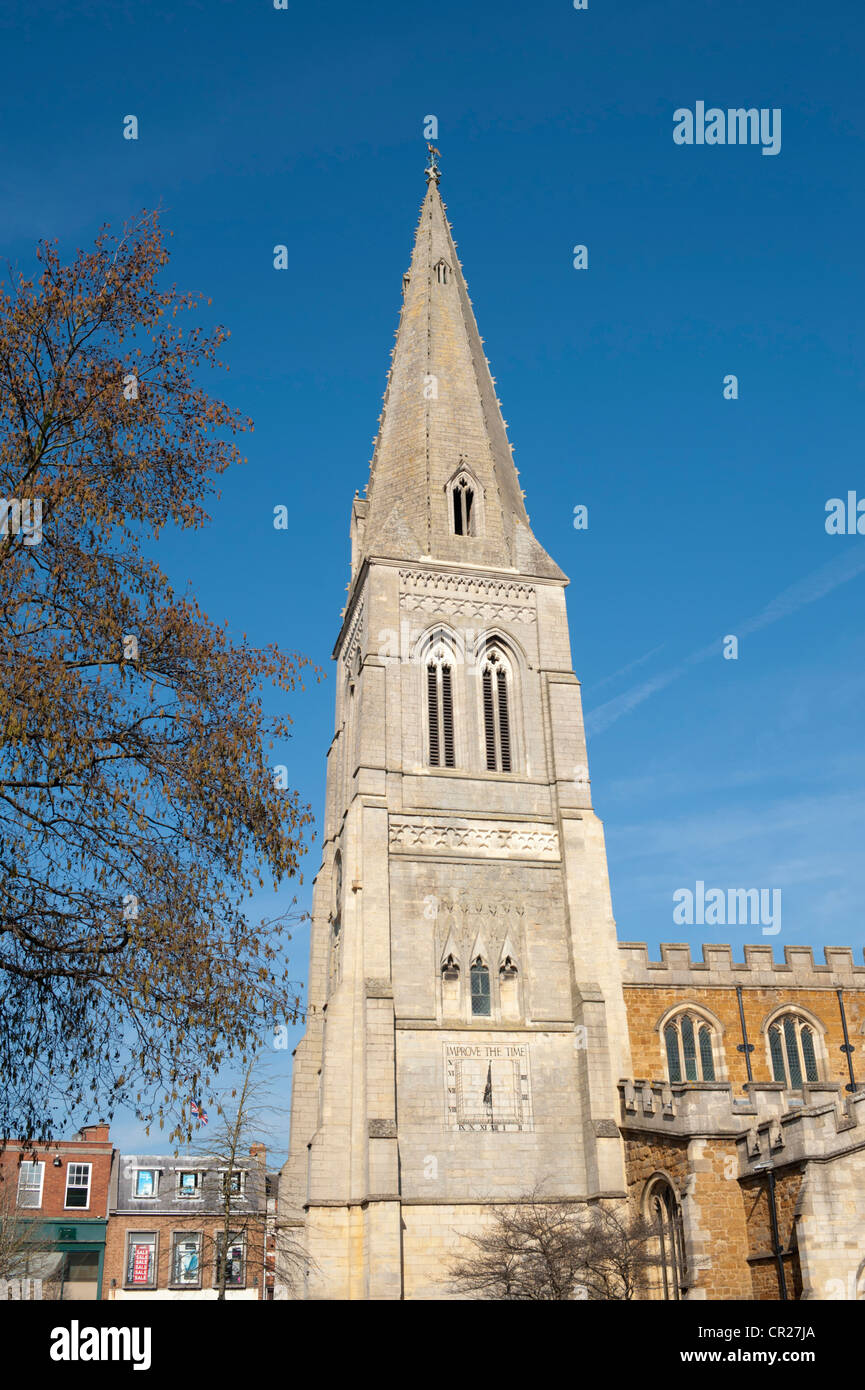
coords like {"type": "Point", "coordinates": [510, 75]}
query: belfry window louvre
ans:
{"type": "Point", "coordinates": [440, 713]}
{"type": "Point", "coordinates": [504, 721]}
{"type": "Point", "coordinates": [497, 720]}
{"type": "Point", "coordinates": [433, 705]}
{"type": "Point", "coordinates": [688, 1044]}
{"type": "Point", "coordinates": [447, 716]}
{"type": "Point", "coordinates": [792, 1051]}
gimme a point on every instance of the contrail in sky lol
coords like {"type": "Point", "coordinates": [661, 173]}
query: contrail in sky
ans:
{"type": "Point", "coordinates": [814, 586]}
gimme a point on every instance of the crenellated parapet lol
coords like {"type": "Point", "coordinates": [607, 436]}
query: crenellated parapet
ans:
{"type": "Point", "coordinates": [764, 1123]}
{"type": "Point", "coordinates": [759, 968]}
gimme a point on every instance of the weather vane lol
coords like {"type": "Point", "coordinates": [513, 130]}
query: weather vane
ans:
{"type": "Point", "coordinates": [433, 171]}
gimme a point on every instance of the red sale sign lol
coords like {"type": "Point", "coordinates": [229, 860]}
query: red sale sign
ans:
{"type": "Point", "coordinates": [141, 1264]}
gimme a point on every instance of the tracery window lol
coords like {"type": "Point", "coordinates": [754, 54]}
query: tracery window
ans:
{"type": "Point", "coordinates": [665, 1215]}
{"type": "Point", "coordinates": [688, 1043]}
{"type": "Point", "coordinates": [792, 1050]}
{"type": "Point", "coordinates": [480, 989]}
{"type": "Point", "coordinates": [497, 713]}
{"type": "Point", "coordinates": [442, 272]}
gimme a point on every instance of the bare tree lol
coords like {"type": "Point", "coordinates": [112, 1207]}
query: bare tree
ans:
{"type": "Point", "coordinates": [539, 1250]}
{"type": "Point", "coordinates": [244, 1121]}
{"type": "Point", "coordinates": [618, 1250]}
{"type": "Point", "coordinates": [21, 1237]}
{"type": "Point", "coordinates": [138, 807]}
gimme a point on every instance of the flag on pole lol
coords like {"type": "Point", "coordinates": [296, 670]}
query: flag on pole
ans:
{"type": "Point", "coordinates": [196, 1109]}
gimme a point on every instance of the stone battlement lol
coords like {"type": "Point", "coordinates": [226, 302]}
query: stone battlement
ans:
{"type": "Point", "coordinates": [759, 968]}
{"type": "Point", "coordinates": [763, 1122]}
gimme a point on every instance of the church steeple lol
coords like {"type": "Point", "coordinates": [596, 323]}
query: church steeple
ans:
{"type": "Point", "coordinates": [466, 1023]}
{"type": "Point", "coordinates": [443, 484]}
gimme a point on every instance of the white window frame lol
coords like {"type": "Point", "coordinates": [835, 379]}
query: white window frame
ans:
{"type": "Point", "coordinates": [78, 1206]}
{"type": "Point", "coordinates": [143, 1237]}
{"type": "Point", "coordinates": [241, 1172]}
{"type": "Point", "coordinates": [30, 1163]}
{"type": "Point", "coordinates": [141, 1196]}
{"type": "Point", "coordinates": [189, 1196]}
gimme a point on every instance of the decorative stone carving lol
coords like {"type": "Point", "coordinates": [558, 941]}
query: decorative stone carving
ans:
{"type": "Point", "coordinates": [352, 641]}
{"type": "Point", "coordinates": [468, 608]}
{"type": "Point", "coordinates": [467, 586]}
{"type": "Point", "coordinates": [459, 924]}
{"type": "Point", "coordinates": [605, 1129]}
{"type": "Point", "coordinates": [382, 1129]}
{"type": "Point", "coordinates": [492, 839]}
{"type": "Point", "coordinates": [467, 596]}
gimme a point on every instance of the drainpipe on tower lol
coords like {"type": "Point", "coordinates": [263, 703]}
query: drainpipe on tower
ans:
{"type": "Point", "coordinates": [744, 1045]}
{"type": "Point", "coordinates": [846, 1046]}
{"type": "Point", "coordinates": [769, 1169]}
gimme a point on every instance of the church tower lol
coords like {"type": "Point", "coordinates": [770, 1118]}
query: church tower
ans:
{"type": "Point", "coordinates": [466, 1027]}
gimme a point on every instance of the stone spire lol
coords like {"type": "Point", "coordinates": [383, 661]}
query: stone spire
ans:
{"type": "Point", "coordinates": [440, 419]}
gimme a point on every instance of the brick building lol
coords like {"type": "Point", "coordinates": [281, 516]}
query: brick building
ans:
{"type": "Point", "coordinates": [475, 1030]}
{"type": "Point", "coordinates": [744, 1129]}
{"type": "Point", "coordinates": [165, 1233]}
{"type": "Point", "coordinates": [60, 1192]}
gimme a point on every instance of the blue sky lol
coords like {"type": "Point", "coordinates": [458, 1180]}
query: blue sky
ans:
{"type": "Point", "coordinates": [304, 127]}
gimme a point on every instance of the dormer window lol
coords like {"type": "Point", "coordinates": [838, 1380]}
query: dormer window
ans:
{"type": "Point", "coordinates": [188, 1182]}
{"type": "Point", "coordinates": [145, 1182]}
{"type": "Point", "coordinates": [443, 272]}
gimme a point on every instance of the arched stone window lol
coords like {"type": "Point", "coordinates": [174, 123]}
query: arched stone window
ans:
{"type": "Point", "coordinates": [688, 1043]}
{"type": "Point", "coordinates": [480, 989]}
{"type": "Point", "coordinates": [664, 1214]}
{"type": "Point", "coordinates": [497, 711]}
{"type": "Point", "coordinates": [462, 501]}
{"type": "Point", "coordinates": [792, 1050]}
{"type": "Point", "coordinates": [442, 272]}
{"type": "Point", "coordinates": [440, 708]}
{"type": "Point", "coordinates": [465, 498]}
